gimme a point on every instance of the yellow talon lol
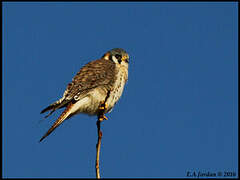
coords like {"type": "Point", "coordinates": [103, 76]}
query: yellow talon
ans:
{"type": "Point", "coordinates": [103, 106]}
{"type": "Point", "coordinates": [102, 118]}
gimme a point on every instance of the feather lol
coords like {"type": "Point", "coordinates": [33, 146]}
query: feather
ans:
{"type": "Point", "coordinates": [59, 121]}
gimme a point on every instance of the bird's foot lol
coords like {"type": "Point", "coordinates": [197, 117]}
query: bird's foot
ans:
{"type": "Point", "coordinates": [102, 117]}
{"type": "Point", "coordinates": [103, 106]}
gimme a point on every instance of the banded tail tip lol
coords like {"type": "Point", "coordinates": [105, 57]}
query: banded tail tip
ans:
{"type": "Point", "coordinates": [41, 139]}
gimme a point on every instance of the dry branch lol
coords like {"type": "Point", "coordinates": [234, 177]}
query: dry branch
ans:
{"type": "Point", "coordinates": [98, 146]}
{"type": "Point", "coordinates": [101, 117]}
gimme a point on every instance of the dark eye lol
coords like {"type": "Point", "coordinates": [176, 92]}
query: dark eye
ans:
{"type": "Point", "coordinates": [118, 56]}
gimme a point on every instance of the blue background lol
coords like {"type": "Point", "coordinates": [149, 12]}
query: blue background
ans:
{"type": "Point", "coordinates": [179, 109]}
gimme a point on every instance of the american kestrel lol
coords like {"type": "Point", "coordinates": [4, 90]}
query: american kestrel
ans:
{"type": "Point", "coordinates": [99, 81]}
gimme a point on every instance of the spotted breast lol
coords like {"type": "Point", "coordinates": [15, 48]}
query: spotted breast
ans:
{"type": "Point", "coordinates": [118, 86]}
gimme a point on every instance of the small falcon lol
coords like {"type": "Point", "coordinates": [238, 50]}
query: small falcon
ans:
{"type": "Point", "coordinates": [100, 82]}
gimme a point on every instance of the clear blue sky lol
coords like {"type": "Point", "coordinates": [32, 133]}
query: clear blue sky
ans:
{"type": "Point", "coordinates": [178, 111]}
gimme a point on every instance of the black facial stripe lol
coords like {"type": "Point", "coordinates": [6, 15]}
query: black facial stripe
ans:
{"type": "Point", "coordinates": [118, 56]}
{"type": "Point", "coordinates": [119, 61]}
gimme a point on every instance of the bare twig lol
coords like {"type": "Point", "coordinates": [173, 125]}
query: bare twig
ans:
{"type": "Point", "coordinates": [98, 146]}
{"type": "Point", "coordinates": [101, 117]}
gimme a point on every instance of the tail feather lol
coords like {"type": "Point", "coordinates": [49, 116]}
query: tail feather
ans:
{"type": "Point", "coordinates": [54, 106]}
{"type": "Point", "coordinates": [48, 108]}
{"type": "Point", "coordinates": [62, 117]}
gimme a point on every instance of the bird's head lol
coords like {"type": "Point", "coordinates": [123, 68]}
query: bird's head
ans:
{"type": "Point", "coordinates": [117, 55]}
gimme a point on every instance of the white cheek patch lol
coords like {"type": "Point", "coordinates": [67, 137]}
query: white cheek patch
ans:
{"type": "Point", "coordinates": [114, 59]}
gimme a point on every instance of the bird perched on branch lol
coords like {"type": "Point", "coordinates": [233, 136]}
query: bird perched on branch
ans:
{"type": "Point", "coordinates": [96, 87]}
